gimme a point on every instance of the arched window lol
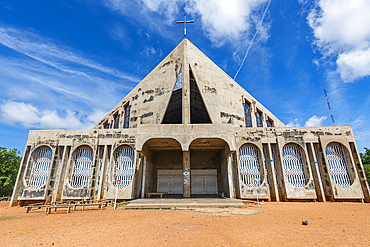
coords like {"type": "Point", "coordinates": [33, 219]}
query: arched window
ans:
{"type": "Point", "coordinates": [123, 170]}
{"type": "Point", "coordinates": [293, 165]}
{"type": "Point", "coordinates": [338, 165]}
{"type": "Point", "coordinates": [116, 121]}
{"type": "Point", "coordinates": [250, 165]}
{"type": "Point", "coordinates": [82, 166]}
{"type": "Point", "coordinates": [40, 167]}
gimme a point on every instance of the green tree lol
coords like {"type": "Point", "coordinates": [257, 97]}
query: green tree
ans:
{"type": "Point", "coordinates": [365, 157]}
{"type": "Point", "coordinates": [9, 165]}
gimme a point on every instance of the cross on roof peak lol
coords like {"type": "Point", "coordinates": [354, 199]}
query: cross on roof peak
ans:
{"type": "Point", "coordinates": [185, 21]}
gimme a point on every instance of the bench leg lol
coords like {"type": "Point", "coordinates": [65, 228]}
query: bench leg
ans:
{"type": "Point", "coordinates": [48, 211]}
{"type": "Point", "coordinates": [68, 210]}
{"type": "Point", "coordinates": [27, 210]}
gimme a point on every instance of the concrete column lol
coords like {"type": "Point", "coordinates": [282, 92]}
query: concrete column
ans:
{"type": "Point", "coordinates": [186, 174]}
{"type": "Point", "coordinates": [272, 168]}
{"type": "Point", "coordinates": [185, 87]}
{"type": "Point", "coordinates": [18, 183]}
{"type": "Point", "coordinates": [230, 176]}
{"type": "Point", "coordinates": [59, 175]}
{"type": "Point", "coordinates": [317, 175]}
{"type": "Point", "coordinates": [103, 173]}
{"type": "Point", "coordinates": [143, 181]}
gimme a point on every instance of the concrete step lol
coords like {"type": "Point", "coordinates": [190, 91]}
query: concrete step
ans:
{"type": "Point", "coordinates": [185, 203]}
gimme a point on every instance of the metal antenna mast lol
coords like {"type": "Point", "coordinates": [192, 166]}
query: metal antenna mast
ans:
{"type": "Point", "coordinates": [327, 99]}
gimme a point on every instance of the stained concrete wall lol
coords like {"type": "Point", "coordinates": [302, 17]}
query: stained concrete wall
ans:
{"type": "Point", "coordinates": [65, 142]}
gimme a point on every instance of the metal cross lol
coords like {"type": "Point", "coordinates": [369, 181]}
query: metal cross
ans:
{"type": "Point", "coordinates": [185, 21]}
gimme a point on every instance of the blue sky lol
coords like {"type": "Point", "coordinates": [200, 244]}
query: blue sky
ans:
{"type": "Point", "coordinates": [64, 64]}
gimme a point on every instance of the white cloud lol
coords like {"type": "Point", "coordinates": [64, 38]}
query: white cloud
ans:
{"type": "Point", "coordinates": [221, 20]}
{"type": "Point", "coordinates": [53, 55]}
{"type": "Point", "coordinates": [29, 116]}
{"type": "Point", "coordinates": [294, 123]}
{"type": "Point", "coordinates": [315, 121]}
{"type": "Point", "coordinates": [341, 29]}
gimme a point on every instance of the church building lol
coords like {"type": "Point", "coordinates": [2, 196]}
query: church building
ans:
{"type": "Point", "coordinates": [189, 130]}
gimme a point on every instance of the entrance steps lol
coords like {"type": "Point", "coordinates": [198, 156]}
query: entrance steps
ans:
{"type": "Point", "coordinates": [185, 203]}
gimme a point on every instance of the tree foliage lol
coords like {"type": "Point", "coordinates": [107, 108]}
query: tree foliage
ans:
{"type": "Point", "coordinates": [365, 157]}
{"type": "Point", "coordinates": [9, 165]}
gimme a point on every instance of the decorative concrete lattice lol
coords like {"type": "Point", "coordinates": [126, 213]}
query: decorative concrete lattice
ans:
{"type": "Point", "coordinates": [40, 167]}
{"type": "Point", "coordinates": [338, 164]}
{"type": "Point", "coordinates": [82, 166]}
{"type": "Point", "coordinates": [293, 165]}
{"type": "Point", "coordinates": [250, 166]}
{"type": "Point", "coordinates": [123, 170]}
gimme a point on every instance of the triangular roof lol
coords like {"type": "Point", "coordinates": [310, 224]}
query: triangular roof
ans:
{"type": "Point", "coordinates": [222, 96]}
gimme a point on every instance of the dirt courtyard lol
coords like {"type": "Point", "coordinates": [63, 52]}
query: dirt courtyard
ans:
{"type": "Point", "coordinates": [277, 224]}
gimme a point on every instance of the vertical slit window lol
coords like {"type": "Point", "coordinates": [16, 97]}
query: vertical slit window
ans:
{"type": "Point", "coordinates": [259, 118]}
{"type": "Point", "coordinates": [269, 123]}
{"type": "Point", "coordinates": [40, 167]}
{"type": "Point", "coordinates": [123, 171]}
{"type": "Point", "coordinates": [116, 121]}
{"type": "Point", "coordinates": [250, 165]}
{"type": "Point", "coordinates": [338, 165]}
{"type": "Point", "coordinates": [127, 117]}
{"type": "Point", "coordinates": [106, 125]}
{"type": "Point", "coordinates": [247, 114]}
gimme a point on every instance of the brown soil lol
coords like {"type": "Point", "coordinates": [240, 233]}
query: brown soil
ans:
{"type": "Point", "coordinates": [329, 224]}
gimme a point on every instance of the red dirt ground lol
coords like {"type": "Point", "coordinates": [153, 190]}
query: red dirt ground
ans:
{"type": "Point", "coordinates": [329, 224]}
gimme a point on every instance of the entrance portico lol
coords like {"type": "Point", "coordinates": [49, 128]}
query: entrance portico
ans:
{"type": "Point", "coordinates": [202, 170]}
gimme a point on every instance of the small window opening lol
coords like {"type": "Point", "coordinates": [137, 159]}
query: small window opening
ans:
{"type": "Point", "coordinates": [259, 118]}
{"type": "Point", "coordinates": [116, 121]}
{"type": "Point", "coordinates": [247, 114]}
{"type": "Point", "coordinates": [106, 125]}
{"type": "Point", "coordinates": [127, 117]}
{"type": "Point", "coordinates": [269, 123]}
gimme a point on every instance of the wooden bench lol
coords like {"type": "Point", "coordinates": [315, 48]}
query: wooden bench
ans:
{"type": "Point", "coordinates": [99, 204]}
{"type": "Point", "coordinates": [155, 194]}
{"type": "Point", "coordinates": [36, 205]}
{"type": "Point", "coordinates": [55, 207]}
{"type": "Point", "coordinates": [4, 198]}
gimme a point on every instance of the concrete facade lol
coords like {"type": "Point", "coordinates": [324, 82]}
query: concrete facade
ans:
{"type": "Point", "coordinates": [128, 147]}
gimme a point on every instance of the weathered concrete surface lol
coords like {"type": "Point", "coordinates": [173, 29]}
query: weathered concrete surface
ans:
{"type": "Point", "coordinates": [223, 99]}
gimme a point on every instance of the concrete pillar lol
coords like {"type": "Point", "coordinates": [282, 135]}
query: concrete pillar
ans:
{"type": "Point", "coordinates": [316, 174]}
{"type": "Point", "coordinates": [143, 181]}
{"type": "Point", "coordinates": [18, 183]}
{"type": "Point", "coordinates": [230, 176]}
{"type": "Point", "coordinates": [59, 175]}
{"type": "Point", "coordinates": [273, 173]}
{"type": "Point", "coordinates": [185, 88]}
{"type": "Point", "coordinates": [103, 173]}
{"type": "Point", "coordinates": [186, 174]}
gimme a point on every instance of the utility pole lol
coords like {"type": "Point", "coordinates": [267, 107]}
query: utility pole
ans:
{"type": "Point", "coordinates": [327, 99]}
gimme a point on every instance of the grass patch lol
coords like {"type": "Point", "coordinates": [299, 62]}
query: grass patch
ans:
{"type": "Point", "coordinates": [8, 218]}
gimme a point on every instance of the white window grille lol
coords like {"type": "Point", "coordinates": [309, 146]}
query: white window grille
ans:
{"type": "Point", "coordinates": [338, 164]}
{"type": "Point", "coordinates": [293, 165]}
{"type": "Point", "coordinates": [250, 166]}
{"type": "Point", "coordinates": [123, 170]}
{"type": "Point", "coordinates": [40, 167]}
{"type": "Point", "coordinates": [82, 166]}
